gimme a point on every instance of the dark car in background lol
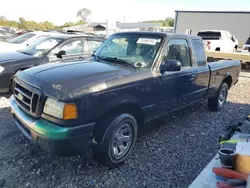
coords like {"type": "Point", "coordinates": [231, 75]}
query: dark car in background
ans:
{"type": "Point", "coordinates": [246, 46]}
{"type": "Point", "coordinates": [246, 49]}
{"type": "Point", "coordinates": [51, 49]}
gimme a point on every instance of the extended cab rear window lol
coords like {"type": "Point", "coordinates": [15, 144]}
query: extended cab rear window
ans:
{"type": "Point", "coordinates": [209, 35]}
{"type": "Point", "coordinates": [199, 52]}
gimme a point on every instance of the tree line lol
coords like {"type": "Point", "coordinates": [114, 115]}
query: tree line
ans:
{"type": "Point", "coordinates": [83, 14]}
{"type": "Point", "coordinates": [165, 23]}
{"type": "Point", "coordinates": [32, 25]}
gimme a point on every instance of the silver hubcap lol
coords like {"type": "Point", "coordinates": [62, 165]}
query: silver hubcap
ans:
{"type": "Point", "coordinates": [222, 97]}
{"type": "Point", "coordinates": [121, 141]}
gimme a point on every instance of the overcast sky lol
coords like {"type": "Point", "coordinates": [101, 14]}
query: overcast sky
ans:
{"type": "Point", "coordinates": [61, 11]}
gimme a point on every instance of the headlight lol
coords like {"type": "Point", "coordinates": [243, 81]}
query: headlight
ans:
{"type": "Point", "coordinates": [1, 69]}
{"type": "Point", "coordinates": [59, 109]}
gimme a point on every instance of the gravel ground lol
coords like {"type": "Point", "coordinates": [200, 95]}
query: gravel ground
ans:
{"type": "Point", "coordinates": [168, 153]}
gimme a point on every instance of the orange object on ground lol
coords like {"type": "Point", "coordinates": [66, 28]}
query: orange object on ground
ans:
{"type": "Point", "coordinates": [243, 163]}
{"type": "Point", "coordinates": [227, 173]}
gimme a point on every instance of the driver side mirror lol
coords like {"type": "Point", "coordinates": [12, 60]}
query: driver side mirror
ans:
{"type": "Point", "coordinates": [170, 65]}
{"type": "Point", "coordinates": [60, 53]}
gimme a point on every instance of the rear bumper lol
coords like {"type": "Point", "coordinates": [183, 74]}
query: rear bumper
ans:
{"type": "Point", "coordinates": [58, 140]}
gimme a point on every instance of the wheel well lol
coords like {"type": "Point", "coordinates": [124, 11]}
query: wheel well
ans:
{"type": "Point", "coordinates": [217, 49]}
{"type": "Point", "coordinates": [236, 47]}
{"type": "Point", "coordinates": [130, 108]}
{"type": "Point", "coordinates": [16, 72]}
{"type": "Point", "coordinates": [10, 81]}
{"type": "Point", "coordinates": [228, 81]}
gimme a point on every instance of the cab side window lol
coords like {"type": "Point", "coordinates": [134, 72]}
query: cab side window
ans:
{"type": "Point", "coordinates": [178, 49]}
{"type": "Point", "coordinates": [73, 47]}
{"type": "Point", "coordinates": [199, 52]}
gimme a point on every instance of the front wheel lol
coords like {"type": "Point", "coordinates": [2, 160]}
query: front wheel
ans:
{"type": "Point", "coordinates": [218, 101]}
{"type": "Point", "coordinates": [115, 138]}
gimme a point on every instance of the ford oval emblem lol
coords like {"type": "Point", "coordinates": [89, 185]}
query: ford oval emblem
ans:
{"type": "Point", "coordinates": [20, 96]}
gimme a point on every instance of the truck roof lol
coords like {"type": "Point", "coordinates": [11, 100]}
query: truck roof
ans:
{"type": "Point", "coordinates": [160, 34]}
{"type": "Point", "coordinates": [213, 30]}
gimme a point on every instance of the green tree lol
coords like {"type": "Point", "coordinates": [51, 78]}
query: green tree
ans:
{"type": "Point", "coordinates": [165, 23]}
{"type": "Point", "coordinates": [22, 23]}
{"type": "Point", "coordinates": [84, 14]}
{"type": "Point", "coordinates": [68, 24]}
{"type": "Point", "coordinates": [170, 21]}
{"type": "Point", "coordinates": [48, 25]}
{"type": "Point", "coordinates": [41, 26]}
{"type": "Point", "coordinates": [13, 24]}
{"type": "Point", "coordinates": [80, 22]}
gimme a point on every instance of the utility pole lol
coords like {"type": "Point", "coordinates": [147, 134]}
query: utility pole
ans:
{"type": "Point", "coordinates": [107, 27]}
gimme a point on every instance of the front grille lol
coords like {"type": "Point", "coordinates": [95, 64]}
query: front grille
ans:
{"type": "Point", "coordinates": [27, 98]}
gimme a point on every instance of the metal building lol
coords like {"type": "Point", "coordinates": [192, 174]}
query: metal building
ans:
{"type": "Point", "coordinates": [237, 23]}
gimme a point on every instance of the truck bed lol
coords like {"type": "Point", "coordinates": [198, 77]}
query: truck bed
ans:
{"type": "Point", "coordinates": [219, 70]}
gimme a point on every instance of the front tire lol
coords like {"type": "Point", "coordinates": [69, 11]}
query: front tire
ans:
{"type": "Point", "coordinates": [218, 101]}
{"type": "Point", "coordinates": [115, 138]}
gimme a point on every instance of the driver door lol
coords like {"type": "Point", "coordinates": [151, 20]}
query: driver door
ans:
{"type": "Point", "coordinates": [74, 50]}
{"type": "Point", "coordinates": [178, 89]}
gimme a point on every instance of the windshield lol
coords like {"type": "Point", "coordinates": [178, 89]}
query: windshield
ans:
{"type": "Point", "coordinates": [21, 39]}
{"type": "Point", "coordinates": [209, 35]}
{"type": "Point", "coordinates": [138, 50]}
{"type": "Point", "coordinates": [248, 41]}
{"type": "Point", "coordinates": [41, 45]}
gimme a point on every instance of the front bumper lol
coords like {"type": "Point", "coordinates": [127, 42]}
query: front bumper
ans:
{"type": "Point", "coordinates": [58, 140]}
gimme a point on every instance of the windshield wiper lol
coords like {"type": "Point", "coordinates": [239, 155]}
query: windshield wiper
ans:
{"type": "Point", "coordinates": [23, 52]}
{"type": "Point", "coordinates": [120, 61]}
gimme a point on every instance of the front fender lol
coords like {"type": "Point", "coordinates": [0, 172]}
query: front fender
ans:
{"type": "Point", "coordinates": [102, 104]}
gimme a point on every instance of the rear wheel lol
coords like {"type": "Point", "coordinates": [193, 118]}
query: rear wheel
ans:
{"type": "Point", "coordinates": [115, 139]}
{"type": "Point", "coordinates": [218, 101]}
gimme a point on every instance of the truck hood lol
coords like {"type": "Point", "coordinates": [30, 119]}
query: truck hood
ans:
{"type": "Point", "coordinates": [70, 80]}
{"type": "Point", "coordinates": [13, 56]}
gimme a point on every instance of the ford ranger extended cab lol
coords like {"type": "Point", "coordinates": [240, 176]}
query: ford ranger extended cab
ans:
{"type": "Point", "coordinates": [218, 40]}
{"type": "Point", "coordinates": [132, 78]}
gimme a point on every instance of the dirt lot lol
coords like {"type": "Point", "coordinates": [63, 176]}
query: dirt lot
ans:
{"type": "Point", "coordinates": [167, 154]}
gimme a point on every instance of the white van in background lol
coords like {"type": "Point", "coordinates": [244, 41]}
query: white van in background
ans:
{"type": "Point", "coordinates": [218, 40]}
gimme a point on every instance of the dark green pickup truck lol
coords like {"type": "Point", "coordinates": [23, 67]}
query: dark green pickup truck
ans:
{"type": "Point", "coordinates": [132, 78]}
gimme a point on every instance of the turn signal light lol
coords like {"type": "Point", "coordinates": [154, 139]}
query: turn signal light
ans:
{"type": "Point", "coordinates": [70, 111]}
